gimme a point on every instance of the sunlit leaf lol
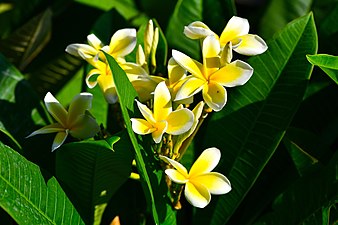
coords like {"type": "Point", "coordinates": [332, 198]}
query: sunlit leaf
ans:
{"type": "Point", "coordinates": [22, 46]}
{"type": "Point", "coordinates": [252, 124]}
{"type": "Point", "coordinates": [92, 171]}
{"type": "Point", "coordinates": [102, 4]}
{"type": "Point", "coordinates": [328, 63]}
{"type": "Point", "coordinates": [28, 197]}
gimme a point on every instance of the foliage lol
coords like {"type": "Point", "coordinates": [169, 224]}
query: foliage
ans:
{"type": "Point", "coordinates": [277, 133]}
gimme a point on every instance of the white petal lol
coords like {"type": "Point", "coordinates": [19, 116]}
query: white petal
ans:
{"type": "Point", "coordinates": [197, 30]}
{"type": "Point", "coordinates": [251, 45]}
{"type": "Point", "coordinates": [55, 127]}
{"type": "Point", "coordinates": [85, 126]}
{"type": "Point", "coordinates": [180, 121]}
{"type": "Point", "coordinates": [176, 176]}
{"type": "Point", "coordinates": [81, 50]}
{"type": "Point", "coordinates": [146, 112]}
{"type": "Point", "coordinates": [189, 64]}
{"type": "Point", "coordinates": [58, 112]}
{"type": "Point", "coordinates": [180, 168]}
{"type": "Point", "coordinates": [189, 88]}
{"type": "Point", "coordinates": [141, 126]}
{"type": "Point", "coordinates": [79, 105]}
{"type": "Point", "coordinates": [122, 42]}
{"type": "Point", "coordinates": [215, 96]}
{"type": "Point", "coordinates": [94, 41]}
{"type": "Point", "coordinates": [235, 28]}
{"type": "Point", "coordinates": [162, 102]}
{"type": "Point", "coordinates": [197, 195]}
{"type": "Point", "coordinates": [206, 162]}
{"type": "Point", "coordinates": [59, 139]}
{"type": "Point", "coordinates": [215, 182]}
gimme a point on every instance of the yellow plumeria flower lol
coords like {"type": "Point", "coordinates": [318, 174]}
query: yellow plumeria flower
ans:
{"type": "Point", "coordinates": [121, 44]}
{"type": "Point", "coordinates": [77, 122]}
{"type": "Point", "coordinates": [200, 182]}
{"type": "Point", "coordinates": [236, 31]}
{"type": "Point", "coordinates": [163, 119]}
{"type": "Point", "coordinates": [210, 77]}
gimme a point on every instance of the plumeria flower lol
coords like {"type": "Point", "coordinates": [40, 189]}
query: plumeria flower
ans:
{"type": "Point", "coordinates": [210, 77]}
{"type": "Point", "coordinates": [77, 122]}
{"type": "Point", "coordinates": [163, 119]}
{"type": "Point", "coordinates": [200, 182]}
{"type": "Point", "coordinates": [236, 31]}
{"type": "Point", "coordinates": [121, 44]}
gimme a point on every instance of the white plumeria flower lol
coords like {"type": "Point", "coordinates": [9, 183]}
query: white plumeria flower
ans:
{"type": "Point", "coordinates": [163, 119]}
{"type": "Point", "coordinates": [211, 77]}
{"type": "Point", "coordinates": [200, 182]}
{"type": "Point", "coordinates": [236, 31]}
{"type": "Point", "coordinates": [121, 44]}
{"type": "Point", "coordinates": [77, 122]}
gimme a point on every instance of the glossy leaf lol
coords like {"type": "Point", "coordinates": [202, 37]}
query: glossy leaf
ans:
{"type": "Point", "coordinates": [92, 171]}
{"type": "Point", "coordinates": [185, 12]}
{"type": "Point", "coordinates": [328, 63]}
{"type": "Point", "coordinates": [152, 176]}
{"type": "Point", "coordinates": [28, 197]}
{"type": "Point", "coordinates": [253, 122]}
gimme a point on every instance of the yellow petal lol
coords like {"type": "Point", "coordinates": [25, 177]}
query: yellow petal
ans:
{"type": "Point", "coordinates": [94, 41]}
{"type": "Point", "coordinates": [91, 78]}
{"type": "Point", "coordinates": [206, 162]}
{"type": "Point", "coordinates": [175, 72]}
{"type": "Point", "coordinates": [146, 112]}
{"type": "Point", "coordinates": [180, 121]}
{"type": "Point", "coordinates": [176, 176]}
{"type": "Point", "coordinates": [210, 50]}
{"type": "Point", "coordinates": [81, 50]}
{"type": "Point", "coordinates": [162, 102]}
{"type": "Point", "coordinates": [189, 64]}
{"type": "Point", "coordinates": [133, 70]}
{"type": "Point", "coordinates": [122, 42]}
{"type": "Point", "coordinates": [148, 37]}
{"type": "Point", "coordinates": [178, 166]}
{"type": "Point", "coordinates": [215, 182]}
{"type": "Point", "coordinates": [189, 88]}
{"type": "Point", "coordinates": [161, 127]}
{"type": "Point", "coordinates": [226, 54]}
{"type": "Point", "coordinates": [59, 139]}
{"type": "Point", "coordinates": [55, 127]}
{"type": "Point", "coordinates": [79, 105]}
{"type": "Point", "coordinates": [196, 194]}
{"type": "Point", "coordinates": [141, 126]}
{"type": "Point", "coordinates": [235, 27]}
{"type": "Point", "coordinates": [144, 88]}
{"type": "Point", "coordinates": [58, 112]}
{"type": "Point", "coordinates": [197, 30]}
{"type": "Point", "coordinates": [233, 74]}
{"type": "Point", "coordinates": [107, 86]}
{"type": "Point", "coordinates": [214, 95]}
{"type": "Point", "coordinates": [251, 45]}
{"type": "Point", "coordinates": [85, 126]}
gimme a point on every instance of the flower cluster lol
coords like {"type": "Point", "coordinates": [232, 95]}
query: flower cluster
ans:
{"type": "Point", "coordinates": [164, 101]}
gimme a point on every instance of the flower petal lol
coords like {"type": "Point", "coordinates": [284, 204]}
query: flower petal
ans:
{"type": "Point", "coordinates": [210, 50]}
{"type": "Point", "coordinates": [85, 126]}
{"type": "Point", "coordinates": [58, 112]}
{"type": "Point", "coordinates": [162, 102]}
{"type": "Point", "coordinates": [146, 112]}
{"type": "Point", "coordinates": [141, 126]}
{"type": "Point", "coordinates": [215, 182]}
{"type": "Point", "coordinates": [122, 42]}
{"type": "Point", "coordinates": [233, 74]}
{"type": "Point", "coordinates": [189, 64]}
{"type": "Point", "coordinates": [176, 176]}
{"type": "Point", "coordinates": [59, 139]}
{"type": "Point", "coordinates": [78, 106]}
{"type": "Point", "coordinates": [196, 194]}
{"type": "Point", "coordinates": [91, 78]}
{"type": "Point", "coordinates": [161, 128]}
{"type": "Point", "coordinates": [133, 70]}
{"type": "Point", "coordinates": [235, 27]}
{"type": "Point", "coordinates": [51, 128]}
{"type": "Point", "coordinates": [81, 50]}
{"type": "Point", "coordinates": [94, 41]}
{"type": "Point", "coordinates": [180, 121]}
{"type": "Point", "coordinates": [215, 96]}
{"type": "Point", "coordinates": [206, 162]}
{"type": "Point", "coordinates": [189, 88]}
{"type": "Point", "coordinates": [197, 30]}
{"type": "Point", "coordinates": [180, 168]}
{"type": "Point", "coordinates": [251, 45]}
{"type": "Point", "coordinates": [175, 72]}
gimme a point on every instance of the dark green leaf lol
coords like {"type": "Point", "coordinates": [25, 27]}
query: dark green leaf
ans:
{"type": "Point", "coordinates": [102, 4]}
{"type": "Point", "coordinates": [250, 127]}
{"type": "Point", "coordinates": [328, 63]}
{"type": "Point", "coordinates": [152, 176]}
{"type": "Point", "coordinates": [92, 171]}
{"type": "Point", "coordinates": [28, 197]}
{"type": "Point", "coordinates": [185, 13]}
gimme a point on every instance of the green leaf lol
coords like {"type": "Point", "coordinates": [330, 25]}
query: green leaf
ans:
{"type": "Point", "coordinates": [130, 11]}
{"type": "Point", "coordinates": [308, 200]}
{"type": "Point", "coordinates": [281, 12]}
{"type": "Point", "coordinates": [328, 63]}
{"type": "Point", "coordinates": [102, 4]}
{"type": "Point", "coordinates": [28, 197]}
{"type": "Point", "coordinates": [328, 26]}
{"type": "Point", "coordinates": [22, 46]}
{"type": "Point", "coordinates": [152, 176]}
{"type": "Point", "coordinates": [9, 138]}
{"type": "Point", "coordinates": [185, 12]}
{"type": "Point", "coordinates": [92, 171]}
{"type": "Point", "coordinates": [252, 124]}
